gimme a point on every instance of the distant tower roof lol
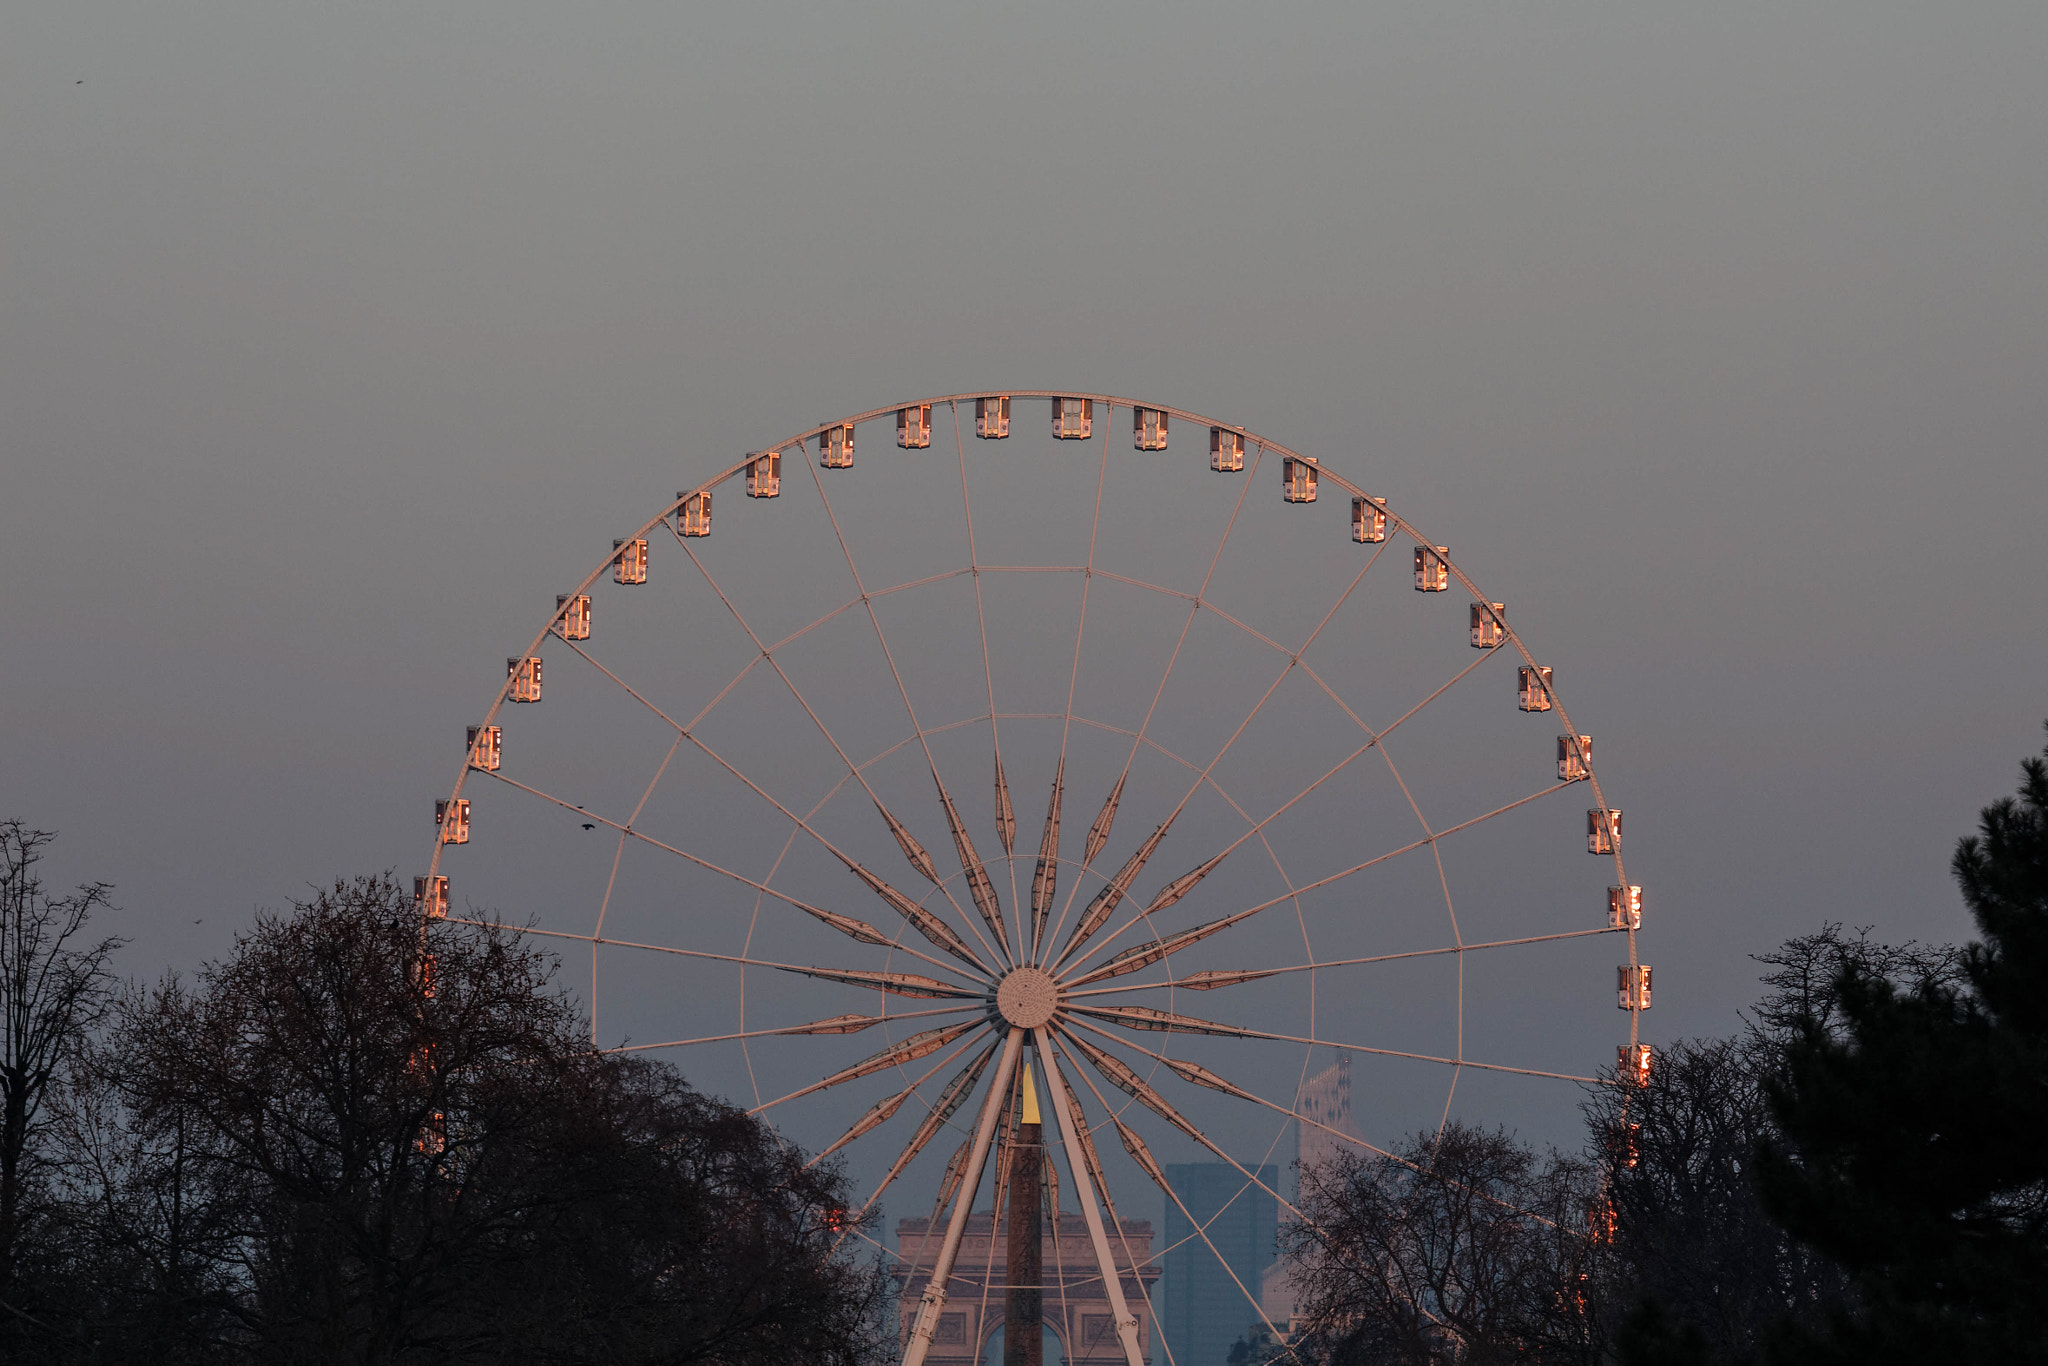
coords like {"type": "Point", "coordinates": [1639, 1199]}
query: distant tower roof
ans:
{"type": "Point", "coordinates": [1325, 1100]}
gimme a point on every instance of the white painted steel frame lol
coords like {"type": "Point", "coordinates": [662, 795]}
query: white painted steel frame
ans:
{"type": "Point", "coordinates": [1005, 952]}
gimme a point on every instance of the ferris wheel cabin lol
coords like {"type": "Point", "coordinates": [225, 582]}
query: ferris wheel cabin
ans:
{"type": "Point", "coordinates": [1432, 568]}
{"type": "Point", "coordinates": [914, 427]}
{"type": "Point", "coordinates": [1489, 624]}
{"type": "Point", "coordinates": [1632, 987]}
{"type": "Point", "coordinates": [1073, 419]}
{"type": "Point", "coordinates": [1226, 450]}
{"type": "Point", "coordinates": [629, 561]}
{"type": "Point", "coordinates": [992, 417]}
{"type": "Point", "coordinates": [572, 616]}
{"type": "Point", "coordinates": [1603, 830]}
{"type": "Point", "coordinates": [1624, 908]}
{"type": "Point", "coordinates": [525, 676]}
{"type": "Point", "coordinates": [764, 474]}
{"type": "Point", "coordinates": [693, 514]}
{"type": "Point", "coordinates": [452, 820]}
{"type": "Point", "coordinates": [835, 447]}
{"type": "Point", "coordinates": [1574, 758]}
{"type": "Point", "coordinates": [1368, 520]}
{"type": "Point", "coordinates": [430, 897]}
{"type": "Point", "coordinates": [1148, 429]}
{"type": "Point", "coordinates": [486, 747]}
{"type": "Point", "coordinates": [1298, 478]}
{"type": "Point", "coordinates": [1532, 687]}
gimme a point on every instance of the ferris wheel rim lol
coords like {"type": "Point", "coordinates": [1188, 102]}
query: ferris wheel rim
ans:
{"type": "Point", "coordinates": [1510, 635]}
{"type": "Point", "coordinates": [1262, 444]}
{"type": "Point", "coordinates": [997, 965]}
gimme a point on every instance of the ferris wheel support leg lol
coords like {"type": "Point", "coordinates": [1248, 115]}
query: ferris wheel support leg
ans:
{"type": "Point", "coordinates": [934, 1299]}
{"type": "Point", "coordinates": [1112, 1278]}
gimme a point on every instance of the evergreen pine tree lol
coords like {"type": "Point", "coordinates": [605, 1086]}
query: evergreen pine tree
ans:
{"type": "Point", "coordinates": [1914, 1147]}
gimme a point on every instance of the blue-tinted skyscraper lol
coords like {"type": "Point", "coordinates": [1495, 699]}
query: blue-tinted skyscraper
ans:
{"type": "Point", "coordinates": [1201, 1311]}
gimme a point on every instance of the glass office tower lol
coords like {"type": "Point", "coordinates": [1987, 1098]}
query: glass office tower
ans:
{"type": "Point", "coordinates": [1201, 1310]}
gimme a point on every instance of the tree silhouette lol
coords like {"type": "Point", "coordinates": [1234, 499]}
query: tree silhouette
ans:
{"type": "Point", "coordinates": [54, 989]}
{"type": "Point", "coordinates": [355, 1139]}
{"type": "Point", "coordinates": [1912, 1147]}
{"type": "Point", "coordinates": [1464, 1247]}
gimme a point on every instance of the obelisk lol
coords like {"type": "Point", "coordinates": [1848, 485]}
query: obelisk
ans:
{"type": "Point", "coordinates": [1024, 1306]}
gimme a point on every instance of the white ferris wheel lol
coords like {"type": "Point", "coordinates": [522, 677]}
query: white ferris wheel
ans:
{"type": "Point", "coordinates": [1006, 753]}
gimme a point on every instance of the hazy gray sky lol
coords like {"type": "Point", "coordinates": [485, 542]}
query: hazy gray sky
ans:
{"type": "Point", "coordinates": [333, 340]}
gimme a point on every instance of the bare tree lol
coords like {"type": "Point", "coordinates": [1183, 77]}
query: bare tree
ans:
{"type": "Point", "coordinates": [1692, 1254]}
{"type": "Point", "coordinates": [355, 1141]}
{"type": "Point", "coordinates": [54, 988]}
{"type": "Point", "coordinates": [1465, 1247]}
{"type": "Point", "coordinates": [1806, 980]}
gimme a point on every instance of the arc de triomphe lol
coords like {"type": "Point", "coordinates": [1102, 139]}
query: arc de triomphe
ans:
{"type": "Point", "coordinates": [1076, 1307]}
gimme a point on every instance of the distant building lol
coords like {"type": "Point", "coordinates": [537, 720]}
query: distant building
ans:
{"type": "Point", "coordinates": [1324, 1100]}
{"type": "Point", "coordinates": [1324, 1104]}
{"type": "Point", "coordinates": [1077, 1306]}
{"type": "Point", "coordinates": [1203, 1308]}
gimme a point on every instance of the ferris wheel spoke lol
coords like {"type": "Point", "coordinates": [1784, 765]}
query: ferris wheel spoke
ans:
{"type": "Point", "coordinates": [942, 1110]}
{"type": "Point", "coordinates": [1104, 903]}
{"type": "Point", "coordinates": [922, 1044]}
{"type": "Point", "coordinates": [1073, 680]}
{"type": "Point", "coordinates": [1098, 834]}
{"type": "Point", "coordinates": [1136, 1145]}
{"type": "Point", "coordinates": [979, 888]}
{"type": "Point", "coordinates": [948, 1184]}
{"type": "Point", "coordinates": [1006, 821]}
{"type": "Point", "coordinates": [612, 880]}
{"type": "Point", "coordinates": [929, 925]}
{"type": "Point", "coordinates": [1187, 624]}
{"type": "Point", "coordinates": [1230, 977]}
{"type": "Point", "coordinates": [1137, 957]}
{"type": "Point", "coordinates": [1171, 1023]}
{"type": "Point", "coordinates": [1145, 1160]}
{"type": "Point", "coordinates": [847, 925]}
{"type": "Point", "coordinates": [1214, 1082]}
{"type": "Point", "coordinates": [894, 983]}
{"type": "Point", "coordinates": [925, 922]}
{"type": "Point", "coordinates": [895, 827]}
{"type": "Point", "coordinates": [1045, 876]}
{"type": "Point", "coordinates": [885, 1109]}
{"type": "Point", "coordinates": [837, 1024]}
{"type": "Point", "coordinates": [1188, 880]}
{"type": "Point", "coordinates": [1415, 807]}
{"type": "Point", "coordinates": [1181, 886]}
{"type": "Point", "coordinates": [1254, 632]}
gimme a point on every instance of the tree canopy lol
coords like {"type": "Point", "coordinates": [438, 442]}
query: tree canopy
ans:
{"type": "Point", "coordinates": [355, 1139]}
{"type": "Point", "coordinates": [1910, 1146]}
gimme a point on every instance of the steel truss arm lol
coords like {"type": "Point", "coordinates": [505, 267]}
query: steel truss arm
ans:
{"type": "Point", "coordinates": [1084, 1195]}
{"type": "Point", "coordinates": [934, 1301]}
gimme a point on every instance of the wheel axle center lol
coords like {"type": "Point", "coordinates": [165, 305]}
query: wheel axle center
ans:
{"type": "Point", "coordinates": [1027, 997]}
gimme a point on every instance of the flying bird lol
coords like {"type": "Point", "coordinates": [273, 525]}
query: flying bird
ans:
{"type": "Point", "coordinates": [588, 826]}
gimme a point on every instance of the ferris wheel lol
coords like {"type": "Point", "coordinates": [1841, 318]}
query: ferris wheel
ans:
{"type": "Point", "coordinates": [1109, 782]}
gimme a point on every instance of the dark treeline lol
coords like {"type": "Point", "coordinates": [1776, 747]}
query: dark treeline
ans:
{"type": "Point", "coordinates": [354, 1141]}
{"type": "Point", "coordinates": [1859, 1175]}
{"type": "Point", "coordinates": [358, 1139]}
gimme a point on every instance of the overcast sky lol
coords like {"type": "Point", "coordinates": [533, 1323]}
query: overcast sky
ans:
{"type": "Point", "coordinates": [334, 340]}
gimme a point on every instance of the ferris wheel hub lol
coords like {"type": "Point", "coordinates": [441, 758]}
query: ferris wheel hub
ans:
{"type": "Point", "coordinates": [1027, 997]}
